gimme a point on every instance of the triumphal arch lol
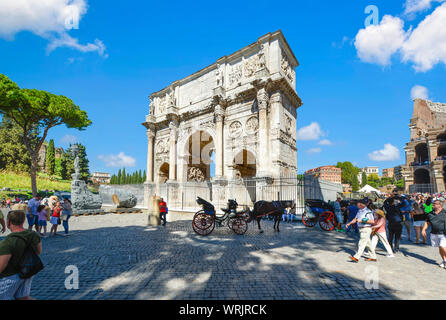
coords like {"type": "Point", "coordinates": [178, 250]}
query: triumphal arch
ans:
{"type": "Point", "coordinates": [230, 124]}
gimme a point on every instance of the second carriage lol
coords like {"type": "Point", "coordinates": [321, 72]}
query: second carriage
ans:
{"type": "Point", "coordinates": [205, 220]}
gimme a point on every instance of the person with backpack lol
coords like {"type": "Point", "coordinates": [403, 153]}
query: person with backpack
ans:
{"type": "Point", "coordinates": [15, 277]}
{"type": "Point", "coordinates": [395, 220]}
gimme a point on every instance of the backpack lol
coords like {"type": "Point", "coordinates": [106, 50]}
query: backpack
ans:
{"type": "Point", "coordinates": [30, 263]}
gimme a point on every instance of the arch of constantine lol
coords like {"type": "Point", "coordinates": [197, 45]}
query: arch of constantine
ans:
{"type": "Point", "coordinates": [227, 126]}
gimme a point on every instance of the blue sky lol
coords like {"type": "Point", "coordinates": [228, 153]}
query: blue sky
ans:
{"type": "Point", "coordinates": [357, 93]}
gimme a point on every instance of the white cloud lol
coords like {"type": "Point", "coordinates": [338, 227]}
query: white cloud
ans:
{"type": "Point", "coordinates": [377, 44]}
{"type": "Point", "coordinates": [311, 132]}
{"type": "Point", "coordinates": [426, 46]}
{"type": "Point", "coordinates": [414, 6]}
{"type": "Point", "coordinates": [49, 19]}
{"type": "Point", "coordinates": [314, 150]}
{"type": "Point", "coordinates": [423, 46]}
{"type": "Point", "coordinates": [69, 139]}
{"type": "Point", "coordinates": [419, 92]}
{"type": "Point", "coordinates": [389, 153]}
{"type": "Point", "coordinates": [325, 142]}
{"type": "Point", "coordinates": [117, 161]}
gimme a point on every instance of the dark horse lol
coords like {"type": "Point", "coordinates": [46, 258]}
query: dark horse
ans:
{"type": "Point", "coordinates": [273, 208]}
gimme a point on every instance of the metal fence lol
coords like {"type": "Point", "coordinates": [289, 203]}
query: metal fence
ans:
{"type": "Point", "coordinates": [182, 196]}
{"type": "Point", "coordinates": [422, 188]}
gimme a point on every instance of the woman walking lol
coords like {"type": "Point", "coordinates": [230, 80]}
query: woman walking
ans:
{"type": "Point", "coordinates": [66, 214]}
{"type": "Point", "coordinates": [419, 219]}
{"type": "Point", "coordinates": [379, 233]}
{"type": "Point", "coordinates": [55, 218]}
{"type": "Point", "coordinates": [395, 219]}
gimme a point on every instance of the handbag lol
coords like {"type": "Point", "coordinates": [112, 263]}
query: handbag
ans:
{"type": "Point", "coordinates": [30, 263]}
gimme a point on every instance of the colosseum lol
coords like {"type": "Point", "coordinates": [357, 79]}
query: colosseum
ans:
{"type": "Point", "coordinates": [425, 168]}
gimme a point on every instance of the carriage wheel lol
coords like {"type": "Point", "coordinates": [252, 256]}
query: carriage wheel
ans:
{"type": "Point", "coordinates": [308, 222]}
{"type": "Point", "coordinates": [238, 225]}
{"type": "Point", "coordinates": [202, 223]}
{"type": "Point", "coordinates": [327, 221]}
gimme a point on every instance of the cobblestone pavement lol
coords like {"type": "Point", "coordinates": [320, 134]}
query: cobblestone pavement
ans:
{"type": "Point", "coordinates": [119, 257]}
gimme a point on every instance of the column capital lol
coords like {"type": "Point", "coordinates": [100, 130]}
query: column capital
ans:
{"type": "Point", "coordinates": [150, 133]}
{"type": "Point", "coordinates": [276, 98]}
{"type": "Point", "coordinates": [173, 124]}
{"type": "Point", "coordinates": [219, 112]}
{"type": "Point", "coordinates": [262, 98]}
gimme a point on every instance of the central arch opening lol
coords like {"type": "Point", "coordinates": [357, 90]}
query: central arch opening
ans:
{"type": "Point", "coordinates": [200, 149]}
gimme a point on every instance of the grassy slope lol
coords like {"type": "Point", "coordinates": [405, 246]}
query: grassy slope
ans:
{"type": "Point", "coordinates": [23, 182]}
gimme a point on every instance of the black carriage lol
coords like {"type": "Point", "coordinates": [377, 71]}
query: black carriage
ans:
{"type": "Point", "coordinates": [205, 220]}
{"type": "Point", "coordinates": [319, 211]}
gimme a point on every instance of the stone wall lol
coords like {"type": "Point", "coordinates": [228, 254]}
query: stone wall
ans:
{"type": "Point", "coordinates": [106, 192]}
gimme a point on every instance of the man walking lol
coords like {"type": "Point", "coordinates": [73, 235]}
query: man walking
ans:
{"type": "Point", "coordinates": [437, 220]}
{"type": "Point", "coordinates": [406, 209]}
{"type": "Point", "coordinates": [12, 249]}
{"type": "Point", "coordinates": [364, 219]}
{"type": "Point", "coordinates": [163, 211]}
{"type": "Point", "coordinates": [32, 212]}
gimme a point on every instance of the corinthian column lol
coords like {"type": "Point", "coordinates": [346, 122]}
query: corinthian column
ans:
{"type": "Point", "coordinates": [219, 116]}
{"type": "Point", "coordinates": [151, 138]}
{"type": "Point", "coordinates": [173, 125]}
{"type": "Point", "coordinates": [262, 156]}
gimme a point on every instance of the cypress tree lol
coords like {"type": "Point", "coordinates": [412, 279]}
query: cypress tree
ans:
{"type": "Point", "coordinates": [63, 167]}
{"type": "Point", "coordinates": [118, 178]}
{"type": "Point", "coordinates": [50, 162]}
{"type": "Point", "coordinates": [123, 177]}
{"type": "Point", "coordinates": [144, 177]}
{"type": "Point", "coordinates": [140, 177]}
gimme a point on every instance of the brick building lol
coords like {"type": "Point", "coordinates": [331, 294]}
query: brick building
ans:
{"type": "Point", "coordinates": [327, 173]}
{"type": "Point", "coordinates": [389, 173]}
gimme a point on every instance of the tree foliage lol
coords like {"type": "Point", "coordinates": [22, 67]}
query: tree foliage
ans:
{"type": "Point", "coordinates": [38, 111]}
{"type": "Point", "coordinates": [13, 154]}
{"type": "Point", "coordinates": [349, 174]}
{"type": "Point", "coordinates": [50, 162]}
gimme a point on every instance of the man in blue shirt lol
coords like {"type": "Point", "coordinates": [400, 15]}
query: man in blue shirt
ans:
{"type": "Point", "coordinates": [352, 210]}
{"type": "Point", "coordinates": [31, 215]}
{"type": "Point", "coordinates": [405, 210]}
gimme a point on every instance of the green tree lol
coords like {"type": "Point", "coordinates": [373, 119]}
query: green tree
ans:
{"type": "Point", "coordinates": [123, 177]}
{"type": "Point", "coordinates": [140, 177]}
{"type": "Point", "coordinates": [118, 178]}
{"type": "Point", "coordinates": [13, 153]}
{"type": "Point", "coordinates": [144, 177]}
{"type": "Point", "coordinates": [50, 162]}
{"type": "Point", "coordinates": [83, 162]}
{"type": "Point", "coordinates": [63, 167]}
{"type": "Point", "coordinates": [364, 179]}
{"type": "Point", "coordinates": [400, 183]}
{"type": "Point", "coordinates": [38, 111]}
{"type": "Point", "coordinates": [349, 174]}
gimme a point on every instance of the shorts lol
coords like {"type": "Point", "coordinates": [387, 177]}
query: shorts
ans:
{"type": "Point", "coordinates": [340, 217]}
{"type": "Point", "coordinates": [13, 287]}
{"type": "Point", "coordinates": [31, 221]}
{"type": "Point", "coordinates": [42, 223]}
{"type": "Point", "coordinates": [54, 220]}
{"type": "Point", "coordinates": [438, 240]}
{"type": "Point", "coordinates": [419, 223]}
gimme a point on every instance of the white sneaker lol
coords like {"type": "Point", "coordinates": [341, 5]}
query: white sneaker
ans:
{"type": "Point", "coordinates": [442, 265]}
{"type": "Point", "coordinates": [390, 256]}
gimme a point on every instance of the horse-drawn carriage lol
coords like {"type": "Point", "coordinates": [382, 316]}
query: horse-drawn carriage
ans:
{"type": "Point", "coordinates": [319, 211]}
{"type": "Point", "coordinates": [205, 220]}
